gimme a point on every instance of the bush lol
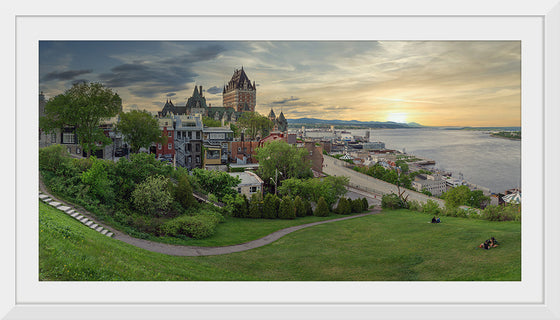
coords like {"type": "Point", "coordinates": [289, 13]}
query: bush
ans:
{"type": "Point", "coordinates": [287, 210]}
{"type": "Point", "coordinates": [196, 227]}
{"type": "Point", "coordinates": [97, 179]}
{"type": "Point", "coordinates": [502, 213]}
{"type": "Point", "coordinates": [153, 196]}
{"type": "Point", "coordinates": [431, 207]}
{"type": "Point", "coordinates": [414, 206]}
{"type": "Point", "coordinates": [308, 208]}
{"type": "Point", "coordinates": [183, 192]}
{"type": "Point", "coordinates": [270, 206]}
{"type": "Point", "coordinates": [255, 207]}
{"type": "Point", "coordinates": [392, 201]}
{"type": "Point", "coordinates": [365, 203]}
{"type": "Point", "coordinates": [344, 206]}
{"type": "Point", "coordinates": [301, 210]}
{"type": "Point", "coordinates": [322, 209]}
{"type": "Point", "coordinates": [53, 158]}
{"type": "Point", "coordinates": [357, 206]}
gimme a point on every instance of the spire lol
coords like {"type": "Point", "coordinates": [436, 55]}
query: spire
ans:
{"type": "Point", "coordinates": [195, 92]}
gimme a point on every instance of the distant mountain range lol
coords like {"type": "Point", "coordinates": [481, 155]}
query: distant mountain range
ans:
{"type": "Point", "coordinates": [353, 123]}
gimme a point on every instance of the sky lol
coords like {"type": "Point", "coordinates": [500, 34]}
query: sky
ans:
{"type": "Point", "coordinates": [433, 83]}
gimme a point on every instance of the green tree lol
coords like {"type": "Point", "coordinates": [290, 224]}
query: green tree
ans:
{"type": "Point", "coordinates": [209, 122]}
{"type": "Point", "coordinates": [270, 206]}
{"type": "Point", "coordinates": [477, 199]}
{"type": "Point", "coordinates": [322, 209]}
{"type": "Point", "coordinates": [255, 206]}
{"type": "Point", "coordinates": [183, 192]}
{"type": "Point", "coordinates": [287, 210]}
{"type": "Point", "coordinates": [279, 156]}
{"type": "Point", "coordinates": [83, 107]}
{"type": "Point", "coordinates": [140, 129]}
{"type": "Point", "coordinates": [97, 179]}
{"type": "Point", "coordinates": [403, 165]}
{"type": "Point", "coordinates": [343, 207]}
{"type": "Point", "coordinates": [357, 205]}
{"type": "Point", "coordinates": [457, 196]}
{"type": "Point", "coordinates": [153, 196]}
{"type": "Point", "coordinates": [301, 210]}
{"type": "Point", "coordinates": [253, 124]}
{"type": "Point", "coordinates": [216, 182]}
{"type": "Point", "coordinates": [308, 207]}
{"type": "Point", "coordinates": [365, 204]}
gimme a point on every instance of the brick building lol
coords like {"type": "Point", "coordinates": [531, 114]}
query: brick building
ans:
{"type": "Point", "coordinates": [240, 94]}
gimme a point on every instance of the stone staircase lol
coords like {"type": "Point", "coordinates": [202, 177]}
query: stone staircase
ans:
{"type": "Point", "coordinates": [74, 214]}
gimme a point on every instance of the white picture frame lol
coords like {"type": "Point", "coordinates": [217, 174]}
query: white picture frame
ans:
{"type": "Point", "coordinates": [36, 20]}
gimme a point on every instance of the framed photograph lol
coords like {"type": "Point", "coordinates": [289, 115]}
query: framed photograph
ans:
{"type": "Point", "coordinates": [530, 32]}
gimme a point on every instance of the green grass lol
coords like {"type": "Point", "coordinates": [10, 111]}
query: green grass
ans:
{"type": "Point", "coordinates": [391, 246]}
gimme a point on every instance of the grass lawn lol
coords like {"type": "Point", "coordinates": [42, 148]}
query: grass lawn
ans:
{"type": "Point", "coordinates": [394, 245]}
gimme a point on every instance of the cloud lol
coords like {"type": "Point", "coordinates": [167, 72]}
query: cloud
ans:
{"type": "Point", "coordinates": [214, 90]}
{"type": "Point", "coordinates": [65, 75]}
{"type": "Point", "coordinates": [285, 101]}
{"type": "Point", "coordinates": [172, 94]}
{"type": "Point", "coordinates": [79, 81]}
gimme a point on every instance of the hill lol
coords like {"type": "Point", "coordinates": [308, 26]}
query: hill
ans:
{"type": "Point", "coordinates": [352, 123]}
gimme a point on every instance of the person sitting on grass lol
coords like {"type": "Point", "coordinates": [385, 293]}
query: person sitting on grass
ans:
{"type": "Point", "coordinates": [437, 220]}
{"type": "Point", "coordinates": [493, 242]}
{"type": "Point", "coordinates": [434, 219]}
{"type": "Point", "coordinates": [485, 245]}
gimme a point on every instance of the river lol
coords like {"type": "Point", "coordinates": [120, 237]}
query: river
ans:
{"type": "Point", "coordinates": [494, 163]}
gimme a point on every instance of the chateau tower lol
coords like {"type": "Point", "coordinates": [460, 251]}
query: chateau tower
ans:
{"type": "Point", "coordinates": [240, 93]}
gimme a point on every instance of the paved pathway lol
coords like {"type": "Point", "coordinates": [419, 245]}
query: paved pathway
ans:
{"type": "Point", "coordinates": [178, 250]}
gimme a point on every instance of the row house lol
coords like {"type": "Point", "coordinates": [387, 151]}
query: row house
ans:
{"type": "Point", "coordinates": [188, 141]}
{"type": "Point", "coordinates": [165, 150]}
{"type": "Point", "coordinates": [217, 146]}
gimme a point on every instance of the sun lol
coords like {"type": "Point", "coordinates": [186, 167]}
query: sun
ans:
{"type": "Point", "coordinates": [397, 117]}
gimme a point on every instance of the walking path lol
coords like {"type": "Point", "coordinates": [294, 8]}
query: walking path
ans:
{"type": "Point", "coordinates": [177, 250]}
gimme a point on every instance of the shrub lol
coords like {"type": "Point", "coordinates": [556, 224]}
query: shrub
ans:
{"type": "Point", "coordinates": [392, 201]}
{"type": "Point", "coordinates": [183, 192]}
{"type": "Point", "coordinates": [322, 209]}
{"type": "Point", "coordinates": [97, 178]}
{"type": "Point", "coordinates": [255, 206]}
{"type": "Point", "coordinates": [431, 207]}
{"type": "Point", "coordinates": [344, 206]}
{"type": "Point", "coordinates": [270, 206]}
{"type": "Point", "coordinates": [287, 210]}
{"type": "Point", "coordinates": [308, 208]}
{"type": "Point", "coordinates": [53, 158]}
{"type": "Point", "coordinates": [153, 196]}
{"type": "Point", "coordinates": [196, 227]}
{"type": "Point", "coordinates": [414, 206]}
{"type": "Point", "coordinates": [301, 210]}
{"type": "Point", "coordinates": [365, 203]}
{"type": "Point", "coordinates": [502, 213]}
{"type": "Point", "coordinates": [357, 206]}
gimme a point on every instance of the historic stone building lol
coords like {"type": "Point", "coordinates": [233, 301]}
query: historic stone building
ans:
{"type": "Point", "coordinates": [279, 123]}
{"type": "Point", "coordinates": [240, 94]}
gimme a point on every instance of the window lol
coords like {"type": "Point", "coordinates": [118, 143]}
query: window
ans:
{"type": "Point", "coordinates": [189, 147]}
{"type": "Point", "coordinates": [159, 146]}
{"type": "Point", "coordinates": [253, 189]}
{"type": "Point", "coordinates": [68, 138]}
{"type": "Point", "coordinates": [78, 150]}
{"type": "Point", "coordinates": [197, 159]}
{"type": "Point", "coordinates": [69, 150]}
{"type": "Point", "coordinates": [170, 134]}
{"type": "Point", "coordinates": [169, 146]}
{"type": "Point", "coordinates": [198, 135]}
{"type": "Point", "coordinates": [53, 137]}
{"type": "Point", "coordinates": [238, 190]}
{"type": "Point", "coordinates": [239, 149]}
{"type": "Point", "coordinates": [197, 148]}
{"type": "Point", "coordinates": [190, 134]}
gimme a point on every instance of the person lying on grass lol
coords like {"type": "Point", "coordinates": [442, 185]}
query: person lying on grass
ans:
{"type": "Point", "coordinates": [490, 243]}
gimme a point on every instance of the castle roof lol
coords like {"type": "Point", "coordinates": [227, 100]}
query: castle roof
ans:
{"type": "Point", "coordinates": [271, 115]}
{"type": "Point", "coordinates": [238, 80]}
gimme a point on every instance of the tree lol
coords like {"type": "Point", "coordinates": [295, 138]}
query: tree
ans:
{"type": "Point", "coordinates": [403, 165]}
{"type": "Point", "coordinates": [287, 210]}
{"type": "Point", "coordinates": [330, 188]}
{"type": "Point", "coordinates": [255, 206]}
{"type": "Point", "coordinates": [287, 159]}
{"type": "Point", "coordinates": [457, 196]}
{"type": "Point", "coordinates": [153, 196]}
{"type": "Point", "coordinates": [140, 129]}
{"type": "Point", "coordinates": [322, 209]}
{"type": "Point", "coordinates": [209, 122]}
{"type": "Point", "coordinates": [301, 210]}
{"type": "Point", "coordinates": [183, 192]}
{"type": "Point", "coordinates": [365, 204]}
{"type": "Point", "coordinates": [344, 206]}
{"type": "Point", "coordinates": [216, 182]}
{"type": "Point", "coordinates": [477, 199]}
{"type": "Point", "coordinates": [83, 107]}
{"type": "Point", "coordinates": [254, 123]}
{"type": "Point", "coordinates": [270, 206]}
